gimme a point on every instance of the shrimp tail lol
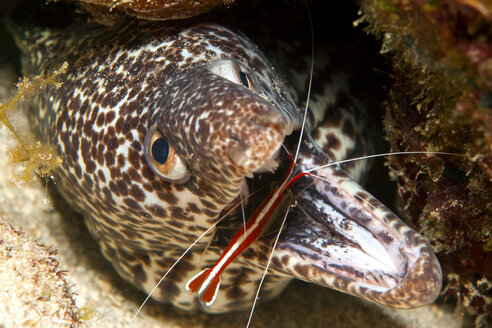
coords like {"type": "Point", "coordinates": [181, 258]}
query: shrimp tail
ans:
{"type": "Point", "coordinates": [207, 284]}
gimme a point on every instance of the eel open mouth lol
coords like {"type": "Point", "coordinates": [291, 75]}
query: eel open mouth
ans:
{"type": "Point", "coordinates": [339, 236]}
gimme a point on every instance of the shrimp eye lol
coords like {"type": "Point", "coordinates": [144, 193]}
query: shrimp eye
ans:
{"type": "Point", "coordinates": [163, 159]}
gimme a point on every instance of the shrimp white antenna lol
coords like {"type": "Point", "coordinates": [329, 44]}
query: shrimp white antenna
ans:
{"type": "Point", "coordinates": [268, 265]}
{"type": "Point", "coordinates": [311, 73]}
{"type": "Point", "coordinates": [380, 155]}
{"type": "Point", "coordinates": [169, 270]}
{"type": "Point", "coordinates": [242, 212]}
{"type": "Point", "coordinates": [183, 255]}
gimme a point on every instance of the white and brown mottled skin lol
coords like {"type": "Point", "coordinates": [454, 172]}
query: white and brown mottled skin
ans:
{"type": "Point", "coordinates": [124, 81]}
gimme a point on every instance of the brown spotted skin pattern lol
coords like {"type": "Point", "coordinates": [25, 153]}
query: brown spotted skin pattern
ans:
{"type": "Point", "coordinates": [127, 80]}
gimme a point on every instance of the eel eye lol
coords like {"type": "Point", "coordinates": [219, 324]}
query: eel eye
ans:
{"type": "Point", "coordinates": [163, 159]}
{"type": "Point", "coordinates": [245, 80]}
{"type": "Point", "coordinates": [231, 70]}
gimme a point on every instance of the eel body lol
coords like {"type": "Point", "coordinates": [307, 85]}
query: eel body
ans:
{"type": "Point", "coordinates": [162, 128]}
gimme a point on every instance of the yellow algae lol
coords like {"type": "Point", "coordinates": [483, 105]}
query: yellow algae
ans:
{"type": "Point", "coordinates": [88, 311]}
{"type": "Point", "coordinates": [38, 158]}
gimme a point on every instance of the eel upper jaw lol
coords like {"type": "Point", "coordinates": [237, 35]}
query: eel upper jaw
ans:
{"type": "Point", "coordinates": [341, 237]}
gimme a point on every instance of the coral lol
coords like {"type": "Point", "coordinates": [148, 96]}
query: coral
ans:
{"type": "Point", "coordinates": [441, 100]}
{"type": "Point", "coordinates": [34, 290]}
{"type": "Point", "coordinates": [38, 158]}
{"type": "Point", "coordinates": [153, 10]}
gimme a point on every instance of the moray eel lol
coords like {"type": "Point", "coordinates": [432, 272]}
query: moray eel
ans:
{"type": "Point", "coordinates": [163, 128]}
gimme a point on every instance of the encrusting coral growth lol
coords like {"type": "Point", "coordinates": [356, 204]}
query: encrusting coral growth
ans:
{"type": "Point", "coordinates": [33, 291]}
{"type": "Point", "coordinates": [442, 101]}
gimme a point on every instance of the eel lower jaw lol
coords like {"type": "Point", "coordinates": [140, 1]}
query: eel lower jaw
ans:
{"type": "Point", "coordinates": [340, 237]}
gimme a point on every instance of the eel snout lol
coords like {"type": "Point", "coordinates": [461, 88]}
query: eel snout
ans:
{"type": "Point", "coordinates": [341, 237]}
{"type": "Point", "coordinates": [235, 128]}
{"type": "Point", "coordinates": [255, 138]}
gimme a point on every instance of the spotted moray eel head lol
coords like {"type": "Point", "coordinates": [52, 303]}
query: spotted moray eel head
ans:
{"type": "Point", "coordinates": [224, 115]}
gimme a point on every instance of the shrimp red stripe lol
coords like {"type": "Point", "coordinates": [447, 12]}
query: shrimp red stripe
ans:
{"type": "Point", "coordinates": [207, 282]}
